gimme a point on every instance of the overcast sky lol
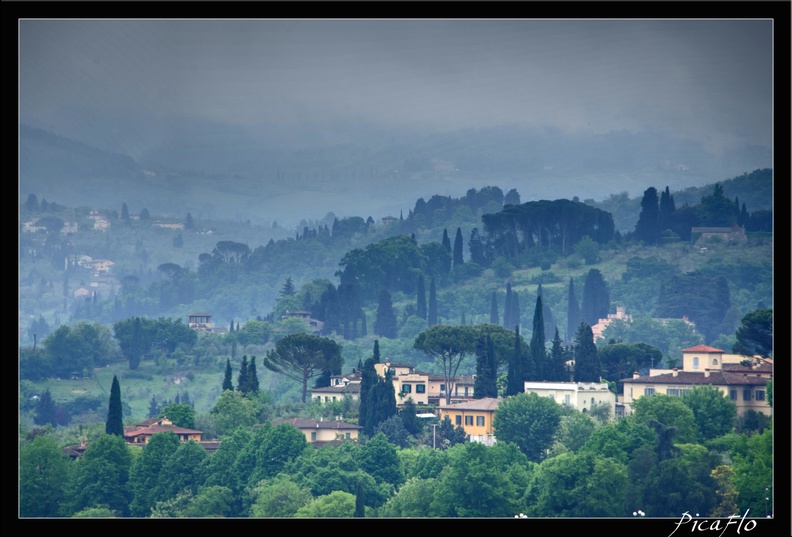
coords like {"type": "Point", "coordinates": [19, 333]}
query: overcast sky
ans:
{"type": "Point", "coordinates": [709, 80]}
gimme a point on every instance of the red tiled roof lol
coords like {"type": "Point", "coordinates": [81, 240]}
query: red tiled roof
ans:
{"type": "Point", "coordinates": [702, 348]}
{"type": "Point", "coordinates": [485, 403]}
{"type": "Point", "coordinates": [352, 387]}
{"type": "Point", "coordinates": [306, 423]}
{"type": "Point", "coordinates": [154, 429]}
{"type": "Point", "coordinates": [716, 378]}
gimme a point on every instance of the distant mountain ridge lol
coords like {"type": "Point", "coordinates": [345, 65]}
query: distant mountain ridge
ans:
{"type": "Point", "coordinates": [247, 175]}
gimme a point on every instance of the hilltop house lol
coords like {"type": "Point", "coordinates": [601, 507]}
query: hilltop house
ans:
{"type": "Point", "coordinates": [475, 416]}
{"type": "Point", "coordinates": [323, 432]}
{"type": "Point", "coordinates": [142, 432]}
{"type": "Point", "coordinates": [341, 386]}
{"type": "Point", "coordinates": [742, 378]}
{"type": "Point", "coordinates": [580, 395]}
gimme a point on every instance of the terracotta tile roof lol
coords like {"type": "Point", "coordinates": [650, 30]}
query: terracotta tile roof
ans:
{"type": "Point", "coordinates": [131, 431]}
{"type": "Point", "coordinates": [306, 423]}
{"type": "Point", "coordinates": [716, 378]}
{"type": "Point", "coordinates": [485, 403]}
{"type": "Point", "coordinates": [702, 348]}
{"type": "Point", "coordinates": [352, 387]}
{"type": "Point", "coordinates": [763, 367]}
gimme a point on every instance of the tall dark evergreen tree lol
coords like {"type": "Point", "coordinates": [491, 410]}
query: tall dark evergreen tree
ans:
{"type": "Point", "coordinates": [547, 315]}
{"type": "Point", "coordinates": [368, 379]}
{"type": "Point", "coordinates": [446, 241]}
{"type": "Point", "coordinates": [514, 377]}
{"type": "Point", "coordinates": [288, 288]}
{"type": "Point", "coordinates": [115, 422]}
{"type": "Point", "coordinates": [494, 309]}
{"type": "Point", "coordinates": [507, 307]}
{"type": "Point", "coordinates": [431, 313]}
{"type": "Point", "coordinates": [188, 222]}
{"type": "Point", "coordinates": [538, 351]}
{"type": "Point", "coordinates": [45, 410]}
{"type": "Point", "coordinates": [573, 313]}
{"type": "Point", "coordinates": [420, 307]}
{"type": "Point", "coordinates": [588, 367]}
{"type": "Point", "coordinates": [243, 375]}
{"type": "Point", "coordinates": [360, 506]}
{"type": "Point", "coordinates": [648, 227]}
{"type": "Point", "coordinates": [557, 360]}
{"type": "Point", "coordinates": [136, 344]}
{"type": "Point", "coordinates": [458, 245]}
{"type": "Point", "coordinates": [376, 352]}
{"type": "Point", "coordinates": [385, 324]}
{"type": "Point", "coordinates": [125, 213]}
{"type": "Point", "coordinates": [253, 381]}
{"type": "Point", "coordinates": [485, 384]}
{"type": "Point", "coordinates": [667, 208]}
{"type": "Point", "coordinates": [477, 249]}
{"type": "Point", "coordinates": [596, 298]}
{"type": "Point", "coordinates": [227, 382]}
{"type": "Point", "coordinates": [516, 312]}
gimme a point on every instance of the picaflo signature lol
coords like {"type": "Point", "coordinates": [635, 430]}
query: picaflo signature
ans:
{"type": "Point", "coordinates": [716, 525]}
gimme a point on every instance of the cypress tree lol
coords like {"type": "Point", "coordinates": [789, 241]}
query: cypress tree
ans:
{"type": "Point", "coordinates": [376, 352]}
{"type": "Point", "coordinates": [253, 377]}
{"type": "Point", "coordinates": [431, 315]}
{"type": "Point", "coordinates": [507, 310]}
{"type": "Point", "coordinates": [227, 382]}
{"type": "Point", "coordinates": [420, 307]}
{"type": "Point", "coordinates": [485, 384]}
{"type": "Point", "coordinates": [45, 410]}
{"type": "Point", "coordinates": [648, 227]}
{"type": "Point", "coordinates": [556, 361]}
{"type": "Point", "coordinates": [115, 423]}
{"type": "Point", "coordinates": [596, 298]}
{"type": "Point", "coordinates": [446, 241]}
{"type": "Point", "coordinates": [514, 377]}
{"type": "Point", "coordinates": [243, 376]}
{"type": "Point", "coordinates": [587, 363]}
{"type": "Point", "coordinates": [573, 313]}
{"type": "Point", "coordinates": [458, 245]}
{"type": "Point", "coordinates": [515, 308]}
{"type": "Point", "coordinates": [538, 351]}
{"type": "Point", "coordinates": [360, 508]}
{"type": "Point", "coordinates": [385, 324]}
{"type": "Point", "coordinates": [494, 308]}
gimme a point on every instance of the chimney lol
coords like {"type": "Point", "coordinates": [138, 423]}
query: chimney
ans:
{"type": "Point", "coordinates": [676, 372]}
{"type": "Point", "coordinates": [706, 373]}
{"type": "Point", "coordinates": [635, 374]}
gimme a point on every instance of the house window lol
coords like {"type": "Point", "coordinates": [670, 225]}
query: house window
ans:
{"type": "Point", "coordinates": [458, 419]}
{"type": "Point", "coordinates": [442, 387]}
{"type": "Point", "coordinates": [649, 391]}
{"type": "Point", "coordinates": [567, 399]}
{"type": "Point", "coordinates": [733, 395]}
{"type": "Point", "coordinates": [714, 361]}
{"type": "Point", "coordinates": [480, 421]}
{"type": "Point", "coordinates": [695, 362]}
{"type": "Point", "coordinates": [466, 391]}
{"type": "Point", "coordinates": [348, 436]}
{"type": "Point", "coordinates": [406, 388]}
{"type": "Point", "coordinates": [760, 395]}
{"type": "Point", "coordinates": [420, 388]}
{"type": "Point", "coordinates": [552, 396]}
{"type": "Point", "coordinates": [313, 436]}
{"type": "Point", "coordinates": [746, 395]}
{"type": "Point", "coordinates": [468, 420]}
{"type": "Point", "coordinates": [676, 392]}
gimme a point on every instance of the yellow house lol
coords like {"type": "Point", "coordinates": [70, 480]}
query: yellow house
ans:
{"type": "Point", "coordinates": [323, 431]}
{"type": "Point", "coordinates": [475, 416]}
{"type": "Point", "coordinates": [142, 432]}
{"type": "Point", "coordinates": [742, 379]}
{"type": "Point", "coordinates": [407, 383]}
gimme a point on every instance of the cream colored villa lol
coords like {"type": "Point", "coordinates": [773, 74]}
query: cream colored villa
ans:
{"type": "Point", "coordinates": [579, 395]}
{"type": "Point", "coordinates": [742, 378]}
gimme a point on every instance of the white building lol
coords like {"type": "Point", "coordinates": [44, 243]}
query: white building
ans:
{"type": "Point", "coordinates": [580, 395]}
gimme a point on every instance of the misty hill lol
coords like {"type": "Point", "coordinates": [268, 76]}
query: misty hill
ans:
{"type": "Point", "coordinates": [278, 173]}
